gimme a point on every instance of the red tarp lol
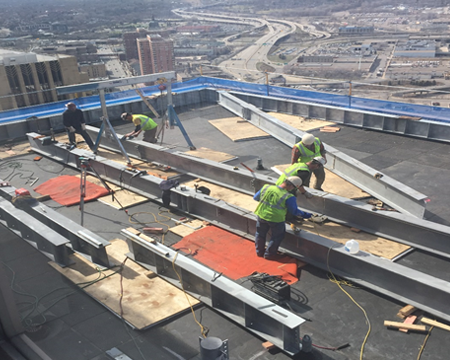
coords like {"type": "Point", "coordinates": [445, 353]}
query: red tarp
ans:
{"type": "Point", "coordinates": [65, 190]}
{"type": "Point", "coordinates": [233, 255]}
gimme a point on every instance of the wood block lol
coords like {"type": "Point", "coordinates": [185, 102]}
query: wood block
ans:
{"type": "Point", "coordinates": [355, 230]}
{"type": "Point", "coordinates": [37, 158]}
{"type": "Point", "coordinates": [407, 310]}
{"type": "Point", "coordinates": [153, 230]}
{"type": "Point", "coordinates": [268, 345]}
{"type": "Point", "coordinates": [435, 323]}
{"type": "Point", "coordinates": [133, 231]}
{"type": "Point", "coordinates": [400, 325]}
{"type": "Point", "coordinates": [409, 320]}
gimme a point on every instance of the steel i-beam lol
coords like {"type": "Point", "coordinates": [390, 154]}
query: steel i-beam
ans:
{"type": "Point", "coordinates": [404, 228]}
{"type": "Point", "coordinates": [383, 187]}
{"type": "Point", "coordinates": [82, 241]}
{"type": "Point", "coordinates": [261, 316]}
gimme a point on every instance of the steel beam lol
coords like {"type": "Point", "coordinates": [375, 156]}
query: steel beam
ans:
{"type": "Point", "coordinates": [82, 241]}
{"type": "Point", "coordinates": [46, 240]}
{"type": "Point", "coordinates": [422, 234]}
{"type": "Point", "coordinates": [261, 316]}
{"type": "Point", "coordinates": [385, 188]}
{"type": "Point", "coordinates": [389, 278]}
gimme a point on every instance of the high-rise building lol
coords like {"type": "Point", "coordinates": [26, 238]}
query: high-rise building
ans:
{"type": "Point", "coordinates": [129, 42]}
{"type": "Point", "coordinates": [155, 54]}
{"type": "Point", "coordinates": [29, 79]}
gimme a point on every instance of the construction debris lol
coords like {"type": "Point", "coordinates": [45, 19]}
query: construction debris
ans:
{"type": "Point", "coordinates": [406, 311]}
{"type": "Point", "coordinates": [400, 325]}
{"type": "Point", "coordinates": [435, 323]}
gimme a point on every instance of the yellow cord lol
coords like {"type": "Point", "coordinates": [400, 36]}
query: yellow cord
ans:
{"type": "Point", "coordinates": [424, 343]}
{"type": "Point", "coordinates": [202, 329]}
{"type": "Point", "coordinates": [343, 282]}
{"type": "Point", "coordinates": [155, 218]}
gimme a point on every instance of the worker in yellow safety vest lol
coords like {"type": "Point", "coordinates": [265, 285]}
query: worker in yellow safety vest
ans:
{"type": "Point", "coordinates": [275, 202]}
{"type": "Point", "coordinates": [303, 171]}
{"type": "Point", "coordinates": [141, 123]}
{"type": "Point", "coordinates": [306, 150]}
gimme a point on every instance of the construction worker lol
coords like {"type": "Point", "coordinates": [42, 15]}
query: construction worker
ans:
{"type": "Point", "coordinates": [275, 202]}
{"type": "Point", "coordinates": [73, 120]}
{"type": "Point", "coordinates": [303, 171]}
{"type": "Point", "coordinates": [306, 150]}
{"type": "Point", "coordinates": [141, 123]}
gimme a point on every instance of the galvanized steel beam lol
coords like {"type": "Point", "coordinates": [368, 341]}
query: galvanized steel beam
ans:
{"type": "Point", "coordinates": [40, 236]}
{"type": "Point", "coordinates": [385, 188]}
{"type": "Point", "coordinates": [261, 316]}
{"type": "Point", "coordinates": [402, 283]}
{"type": "Point", "coordinates": [422, 234]}
{"type": "Point", "coordinates": [82, 241]}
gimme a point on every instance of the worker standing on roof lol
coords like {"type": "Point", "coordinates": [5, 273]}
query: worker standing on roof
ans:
{"type": "Point", "coordinates": [142, 123]}
{"type": "Point", "coordinates": [306, 150]}
{"type": "Point", "coordinates": [275, 202]}
{"type": "Point", "coordinates": [303, 171]}
{"type": "Point", "coordinates": [73, 120]}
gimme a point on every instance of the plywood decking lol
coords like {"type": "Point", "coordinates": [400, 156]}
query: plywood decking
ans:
{"type": "Point", "coordinates": [147, 299]}
{"type": "Point", "coordinates": [300, 122]}
{"type": "Point", "coordinates": [205, 153]}
{"type": "Point", "coordinates": [238, 130]}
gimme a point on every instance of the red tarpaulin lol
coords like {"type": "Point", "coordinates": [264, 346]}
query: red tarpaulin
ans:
{"type": "Point", "coordinates": [65, 190]}
{"type": "Point", "coordinates": [233, 255]}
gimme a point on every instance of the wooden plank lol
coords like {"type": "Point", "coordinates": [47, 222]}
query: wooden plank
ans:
{"type": "Point", "coordinates": [125, 197]}
{"type": "Point", "coordinates": [300, 122]}
{"type": "Point", "coordinates": [230, 196]}
{"type": "Point", "coordinates": [238, 131]}
{"type": "Point", "coordinates": [435, 323]}
{"type": "Point", "coordinates": [409, 320]}
{"type": "Point", "coordinates": [144, 99]}
{"type": "Point", "coordinates": [268, 345]}
{"type": "Point", "coordinates": [407, 310]}
{"type": "Point", "coordinates": [183, 230]}
{"type": "Point", "coordinates": [401, 325]}
{"type": "Point", "coordinates": [205, 153]}
{"type": "Point", "coordinates": [147, 299]}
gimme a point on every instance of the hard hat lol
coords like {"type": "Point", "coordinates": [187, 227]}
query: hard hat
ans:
{"type": "Point", "coordinates": [308, 139]}
{"type": "Point", "coordinates": [125, 115]}
{"type": "Point", "coordinates": [295, 180]}
{"type": "Point", "coordinates": [70, 104]}
{"type": "Point", "coordinates": [320, 160]}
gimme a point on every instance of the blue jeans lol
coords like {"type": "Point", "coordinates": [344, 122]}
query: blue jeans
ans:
{"type": "Point", "coordinates": [262, 228]}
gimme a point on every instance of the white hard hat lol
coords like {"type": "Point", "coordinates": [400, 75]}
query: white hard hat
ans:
{"type": "Point", "coordinates": [295, 180]}
{"type": "Point", "coordinates": [320, 160]}
{"type": "Point", "coordinates": [308, 139]}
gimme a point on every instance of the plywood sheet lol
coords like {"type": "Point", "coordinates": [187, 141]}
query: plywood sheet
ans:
{"type": "Point", "coordinates": [300, 122]}
{"type": "Point", "coordinates": [367, 242]}
{"type": "Point", "coordinates": [14, 149]}
{"type": "Point", "coordinates": [147, 299]}
{"type": "Point", "coordinates": [334, 184]}
{"type": "Point", "coordinates": [183, 230]}
{"type": "Point", "coordinates": [237, 129]}
{"type": "Point", "coordinates": [230, 196]}
{"type": "Point", "coordinates": [205, 153]}
{"type": "Point", "coordinates": [125, 197]}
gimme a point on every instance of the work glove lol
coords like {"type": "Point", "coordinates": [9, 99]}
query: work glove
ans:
{"type": "Point", "coordinates": [83, 126]}
{"type": "Point", "coordinates": [71, 129]}
{"type": "Point", "coordinates": [308, 195]}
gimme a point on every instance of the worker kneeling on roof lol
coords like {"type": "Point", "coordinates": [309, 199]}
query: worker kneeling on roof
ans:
{"type": "Point", "coordinates": [142, 123]}
{"type": "Point", "coordinates": [275, 202]}
{"type": "Point", "coordinates": [303, 171]}
{"type": "Point", "coordinates": [306, 150]}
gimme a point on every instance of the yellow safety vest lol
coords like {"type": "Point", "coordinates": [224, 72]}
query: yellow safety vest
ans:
{"type": "Point", "coordinates": [292, 171]}
{"type": "Point", "coordinates": [307, 155]}
{"type": "Point", "coordinates": [272, 203]}
{"type": "Point", "coordinates": [145, 122]}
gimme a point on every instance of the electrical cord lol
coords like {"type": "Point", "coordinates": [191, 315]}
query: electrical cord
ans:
{"type": "Point", "coordinates": [133, 220]}
{"type": "Point", "coordinates": [422, 347]}
{"type": "Point", "coordinates": [340, 283]}
{"type": "Point", "coordinates": [204, 331]}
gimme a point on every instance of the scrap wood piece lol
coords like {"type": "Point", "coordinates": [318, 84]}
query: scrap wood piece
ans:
{"type": "Point", "coordinates": [330, 129]}
{"type": "Point", "coordinates": [141, 235]}
{"type": "Point", "coordinates": [400, 325]}
{"type": "Point", "coordinates": [268, 345]}
{"type": "Point", "coordinates": [407, 310]}
{"type": "Point", "coordinates": [435, 323]}
{"type": "Point", "coordinates": [409, 320]}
